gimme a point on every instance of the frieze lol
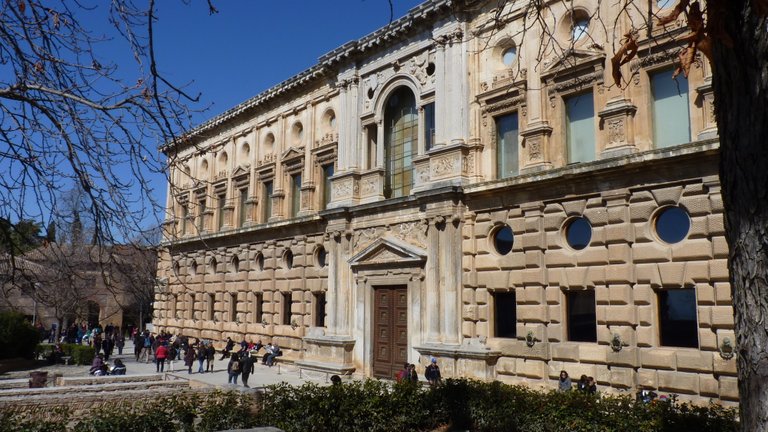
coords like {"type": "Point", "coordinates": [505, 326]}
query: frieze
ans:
{"type": "Point", "coordinates": [329, 138]}
{"type": "Point", "coordinates": [505, 105]}
{"type": "Point", "coordinates": [579, 81]}
{"type": "Point", "coordinates": [369, 186]}
{"type": "Point", "coordinates": [422, 174]}
{"type": "Point", "coordinates": [534, 149]}
{"type": "Point", "coordinates": [468, 164]}
{"type": "Point", "coordinates": [443, 165]}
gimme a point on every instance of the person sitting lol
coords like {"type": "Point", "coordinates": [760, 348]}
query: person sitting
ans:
{"type": "Point", "coordinates": [118, 368]}
{"type": "Point", "coordinates": [582, 384]}
{"type": "Point", "coordinates": [275, 353]}
{"type": "Point", "coordinates": [268, 350]}
{"type": "Point", "coordinates": [564, 383]}
{"type": "Point", "coordinates": [97, 365]}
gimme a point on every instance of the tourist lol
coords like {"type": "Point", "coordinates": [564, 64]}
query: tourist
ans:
{"type": "Point", "coordinates": [582, 384]}
{"type": "Point", "coordinates": [172, 353]}
{"type": "Point", "coordinates": [119, 343]}
{"type": "Point", "coordinates": [146, 350]}
{"type": "Point", "coordinates": [201, 355]}
{"type": "Point", "coordinates": [227, 349]}
{"type": "Point", "coordinates": [138, 345]}
{"type": "Point", "coordinates": [210, 356]}
{"type": "Point", "coordinates": [118, 368]}
{"type": "Point", "coordinates": [189, 358]}
{"type": "Point", "coordinates": [268, 350]}
{"type": "Point", "coordinates": [275, 353]}
{"type": "Point", "coordinates": [97, 365]}
{"type": "Point", "coordinates": [335, 380]}
{"type": "Point", "coordinates": [233, 369]}
{"type": "Point", "coordinates": [412, 375]}
{"type": "Point", "coordinates": [591, 385]}
{"type": "Point", "coordinates": [106, 346]}
{"type": "Point", "coordinates": [564, 383]}
{"type": "Point", "coordinates": [246, 365]}
{"type": "Point", "coordinates": [403, 375]}
{"type": "Point", "coordinates": [432, 373]}
{"type": "Point", "coordinates": [160, 355]}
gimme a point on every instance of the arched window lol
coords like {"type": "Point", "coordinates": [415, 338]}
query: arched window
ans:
{"type": "Point", "coordinates": [401, 134]}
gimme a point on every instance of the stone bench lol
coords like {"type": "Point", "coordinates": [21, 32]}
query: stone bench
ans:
{"type": "Point", "coordinates": [14, 383]}
{"type": "Point", "coordinates": [87, 400]}
{"type": "Point", "coordinates": [107, 379]}
{"type": "Point", "coordinates": [100, 388]}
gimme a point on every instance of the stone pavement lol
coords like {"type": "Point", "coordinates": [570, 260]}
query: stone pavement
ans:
{"type": "Point", "coordinates": [260, 378]}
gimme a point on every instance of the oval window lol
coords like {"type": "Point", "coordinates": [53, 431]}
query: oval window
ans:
{"type": "Point", "coordinates": [503, 239]}
{"type": "Point", "coordinates": [578, 233]}
{"type": "Point", "coordinates": [288, 259]}
{"type": "Point", "coordinates": [509, 56]}
{"type": "Point", "coordinates": [672, 224]}
{"type": "Point", "coordinates": [320, 257]}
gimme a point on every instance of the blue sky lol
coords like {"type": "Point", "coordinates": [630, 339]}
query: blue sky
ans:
{"type": "Point", "coordinates": [249, 46]}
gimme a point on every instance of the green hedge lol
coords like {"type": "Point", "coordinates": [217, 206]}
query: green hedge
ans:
{"type": "Point", "coordinates": [378, 406]}
{"type": "Point", "coordinates": [477, 406]}
{"type": "Point", "coordinates": [17, 336]}
{"type": "Point", "coordinates": [81, 354]}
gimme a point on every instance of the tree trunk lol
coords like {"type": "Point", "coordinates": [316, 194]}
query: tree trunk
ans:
{"type": "Point", "coordinates": [740, 80]}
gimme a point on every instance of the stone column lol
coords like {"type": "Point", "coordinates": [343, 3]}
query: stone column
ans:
{"type": "Point", "coordinates": [332, 296]}
{"type": "Point", "coordinates": [353, 125]}
{"type": "Point", "coordinates": [432, 284]}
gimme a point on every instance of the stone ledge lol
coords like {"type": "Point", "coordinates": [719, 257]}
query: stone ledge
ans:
{"type": "Point", "coordinates": [325, 367]}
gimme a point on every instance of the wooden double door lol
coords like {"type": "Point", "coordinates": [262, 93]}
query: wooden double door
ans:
{"type": "Point", "coordinates": [390, 330]}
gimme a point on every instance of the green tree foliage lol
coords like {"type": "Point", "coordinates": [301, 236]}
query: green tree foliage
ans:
{"type": "Point", "coordinates": [17, 336]}
{"type": "Point", "coordinates": [23, 236]}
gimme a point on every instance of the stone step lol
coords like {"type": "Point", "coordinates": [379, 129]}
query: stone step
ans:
{"type": "Point", "coordinates": [100, 388]}
{"type": "Point", "coordinates": [108, 379]}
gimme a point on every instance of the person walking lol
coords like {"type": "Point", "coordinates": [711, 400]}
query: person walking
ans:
{"type": "Point", "coordinates": [160, 355]}
{"type": "Point", "coordinates": [172, 353]}
{"type": "Point", "coordinates": [210, 356]}
{"type": "Point", "coordinates": [119, 343]}
{"type": "Point", "coordinates": [246, 365]}
{"type": "Point", "coordinates": [201, 354]}
{"type": "Point", "coordinates": [233, 369]}
{"type": "Point", "coordinates": [189, 358]}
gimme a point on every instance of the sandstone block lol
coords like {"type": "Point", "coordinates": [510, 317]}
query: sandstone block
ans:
{"type": "Point", "coordinates": [705, 316]}
{"type": "Point", "coordinates": [645, 315]}
{"type": "Point", "coordinates": [560, 258]}
{"type": "Point", "coordinates": [481, 296]}
{"type": "Point", "coordinates": [593, 353]}
{"type": "Point", "coordinates": [554, 294]}
{"type": "Point", "coordinates": [679, 382]}
{"type": "Point", "coordinates": [719, 247]}
{"type": "Point", "coordinates": [729, 388]}
{"type": "Point", "coordinates": [646, 336]}
{"type": "Point", "coordinates": [641, 211]}
{"type": "Point", "coordinates": [622, 315]}
{"type": "Point", "coordinates": [481, 328]}
{"type": "Point", "coordinates": [619, 253]}
{"type": "Point", "coordinates": [534, 258]}
{"type": "Point", "coordinates": [468, 329]}
{"type": "Point", "coordinates": [555, 332]}
{"type": "Point", "coordinates": [532, 313]}
{"type": "Point", "coordinates": [705, 294]}
{"type": "Point", "coordinates": [553, 221]}
{"type": "Point", "coordinates": [533, 240]}
{"type": "Point", "coordinates": [643, 294]}
{"type": "Point", "coordinates": [531, 368]}
{"type": "Point", "coordinates": [593, 255]}
{"type": "Point", "coordinates": [708, 386]}
{"type": "Point", "coordinates": [649, 252]}
{"type": "Point", "coordinates": [555, 312]}
{"type": "Point", "coordinates": [696, 205]}
{"type": "Point", "coordinates": [565, 352]}
{"type": "Point", "coordinates": [619, 233]}
{"type": "Point", "coordinates": [718, 270]}
{"type": "Point", "coordinates": [506, 365]}
{"type": "Point", "coordinates": [647, 378]}
{"type": "Point", "coordinates": [658, 359]}
{"type": "Point", "coordinates": [723, 293]}
{"type": "Point", "coordinates": [532, 294]}
{"type": "Point", "coordinates": [722, 317]}
{"type": "Point", "coordinates": [699, 228]}
{"type": "Point", "coordinates": [602, 295]}
{"type": "Point", "coordinates": [692, 249]}
{"type": "Point", "coordinates": [722, 366]}
{"type": "Point", "coordinates": [694, 361]}
{"type": "Point", "coordinates": [716, 224]}
{"type": "Point", "coordinates": [620, 273]}
{"type": "Point", "coordinates": [628, 356]}
{"type": "Point", "coordinates": [707, 339]}
{"type": "Point", "coordinates": [620, 294]}
{"type": "Point", "coordinates": [622, 377]}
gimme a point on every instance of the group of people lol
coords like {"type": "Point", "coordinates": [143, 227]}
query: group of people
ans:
{"type": "Point", "coordinates": [585, 384]}
{"type": "Point", "coordinates": [100, 367]}
{"type": "Point", "coordinates": [431, 373]}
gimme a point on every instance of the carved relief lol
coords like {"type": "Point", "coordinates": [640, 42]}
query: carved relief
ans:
{"type": "Point", "coordinates": [443, 165]}
{"type": "Point", "coordinates": [411, 232]}
{"type": "Point", "coordinates": [616, 133]}
{"type": "Point", "coordinates": [364, 237]}
{"type": "Point", "coordinates": [369, 186]}
{"type": "Point", "coordinates": [534, 149]}
{"type": "Point", "coordinates": [342, 189]}
{"type": "Point", "coordinates": [418, 68]}
{"type": "Point", "coordinates": [468, 166]}
{"type": "Point", "coordinates": [422, 174]}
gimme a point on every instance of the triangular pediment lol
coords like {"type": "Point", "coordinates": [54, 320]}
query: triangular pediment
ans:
{"type": "Point", "coordinates": [574, 58]}
{"type": "Point", "coordinates": [293, 152]}
{"type": "Point", "coordinates": [388, 251]}
{"type": "Point", "coordinates": [241, 170]}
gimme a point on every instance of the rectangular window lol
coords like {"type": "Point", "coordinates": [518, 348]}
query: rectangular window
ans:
{"type": "Point", "coordinates": [506, 146]}
{"type": "Point", "coordinates": [677, 318]}
{"type": "Point", "coordinates": [327, 174]}
{"type": "Point", "coordinates": [295, 194]}
{"type": "Point", "coordinates": [241, 205]}
{"type": "Point", "coordinates": [184, 216]}
{"type": "Point", "coordinates": [320, 309]}
{"type": "Point", "coordinates": [580, 128]}
{"type": "Point", "coordinates": [371, 132]}
{"type": "Point", "coordinates": [258, 308]}
{"type": "Point", "coordinates": [201, 216]}
{"type": "Point", "coordinates": [582, 323]}
{"type": "Point", "coordinates": [505, 314]}
{"type": "Point", "coordinates": [211, 301]}
{"type": "Point", "coordinates": [266, 202]}
{"type": "Point", "coordinates": [671, 119]}
{"type": "Point", "coordinates": [287, 308]}
{"type": "Point", "coordinates": [233, 307]}
{"type": "Point", "coordinates": [222, 201]}
{"type": "Point", "coordinates": [429, 126]}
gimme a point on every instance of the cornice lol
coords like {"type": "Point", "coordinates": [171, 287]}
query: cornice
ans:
{"type": "Point", "coordinates": [384, 37]}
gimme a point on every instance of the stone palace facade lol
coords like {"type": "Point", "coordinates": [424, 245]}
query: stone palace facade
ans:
{"type": "Point", "coordinates": [455, 186]}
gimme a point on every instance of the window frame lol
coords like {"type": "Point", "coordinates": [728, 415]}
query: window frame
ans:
{"type": "Point", "coordinates": [509, 333]}
{"type": "Point", "coordinates": [570, 326]}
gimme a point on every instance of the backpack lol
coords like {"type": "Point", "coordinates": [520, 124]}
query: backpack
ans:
{"type": "Point", "coordinates": [236, 366]}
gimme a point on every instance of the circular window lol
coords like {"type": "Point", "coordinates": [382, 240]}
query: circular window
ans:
{"type": "Point", "coordinates": [430, 69]}
{"type": "Point", "coordinates": [578, 233]}
{"type": "Point", "coordinates": [509, 56]}
{"type": "Point", "coordinates": [321, 257]}
{"type": "Point", "coordinates": [288, 259]}
{"type": "Point", "coordinates": [259, 261]}
{"type": "Point", "coordinates": [579, 25]}
{"type": "Point", "coordinates": [672, 224]}
{"type": "Point", "coordinates": [370, 93]}
{"type": "Point", "coordinates": [503, 238]}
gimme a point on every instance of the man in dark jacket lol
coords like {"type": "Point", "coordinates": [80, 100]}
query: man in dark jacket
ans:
{"type": "Point", "coordinates": [246, 366]}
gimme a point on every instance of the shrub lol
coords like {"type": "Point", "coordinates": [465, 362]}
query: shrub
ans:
{"type": "Point", "coordinates": [81, 354]}
{"type": "Point", "coordinates": [17, 336]}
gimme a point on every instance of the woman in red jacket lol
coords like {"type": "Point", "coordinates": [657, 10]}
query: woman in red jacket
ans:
{"type": "Point", "coordinates": [160, 354]}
